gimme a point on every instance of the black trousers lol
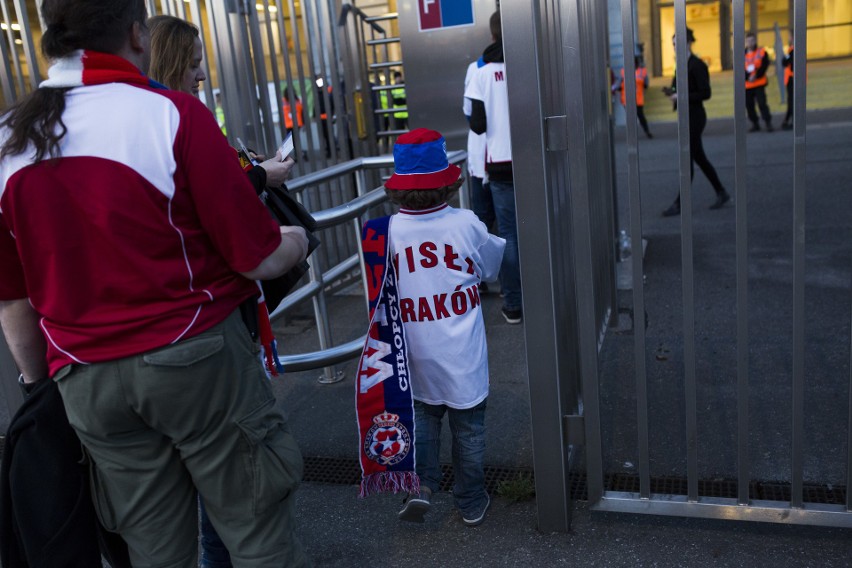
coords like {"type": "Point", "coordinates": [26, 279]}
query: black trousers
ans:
{"type": "Point", "coordinates": [640, 114]}
{"type": "Point", "coordinates": [697, 122]}
{"type": "Point", "coordinates": [789, 116]}
{"type": "Point", "coordinates": [758, 95]}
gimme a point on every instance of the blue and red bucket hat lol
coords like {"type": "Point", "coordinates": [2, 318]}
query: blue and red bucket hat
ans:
{"type": "Point", "coordinates": [420, 162]}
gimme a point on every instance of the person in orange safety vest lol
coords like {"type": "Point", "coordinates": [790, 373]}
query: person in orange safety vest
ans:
{"type": "Point", "coordinates": [756, 64]}
{"type": "Point", "coordinates": [288, 110]}
{"type": "Point", "coordinates": [641, 84]}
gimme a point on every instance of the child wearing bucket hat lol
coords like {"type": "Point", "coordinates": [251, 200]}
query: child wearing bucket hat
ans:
{"type": "Point", "coordinates": [441, 255]}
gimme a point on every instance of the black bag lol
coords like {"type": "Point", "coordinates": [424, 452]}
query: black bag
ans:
{"type": "Point", "coordinates": [287, 212]}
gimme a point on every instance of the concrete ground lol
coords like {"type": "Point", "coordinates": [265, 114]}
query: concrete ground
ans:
{"type": "Point", "coordinates": [340, 530]}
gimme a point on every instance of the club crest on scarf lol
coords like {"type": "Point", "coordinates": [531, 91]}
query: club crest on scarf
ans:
{"type": "Point", "coordinates": [384, 404]}
{"type": "Point", "coordinates": [388, 441]}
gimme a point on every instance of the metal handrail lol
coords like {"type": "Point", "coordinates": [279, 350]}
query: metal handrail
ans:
{"type": "Point", "coordinates": [352, 212]}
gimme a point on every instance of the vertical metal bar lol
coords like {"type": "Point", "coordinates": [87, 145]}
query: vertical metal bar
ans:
{"type": "Point", "coordinates": [357, 224]}
{"type": "Point", "coordinates": [151, 5]}
{"type": "Point", "coordinates": [27, 39]}
{"type": "Point", "coordinates": [690, 395]}
{"type": "Point", "coordinates": [741, 200]}
{"type": "Point", "coordinates": [195, 12]}
{"type": "Point", "coordinates": [636, 257]}
{"type": "Point", "coordinates": [288, 74]}
{"type": "Point", "coordinates": [848, 422]}
{"type": "Point", "coordinates": [7, 79]}
{"type": "Point", "coordinates": [574, 40]}
{"type": "Point", "coordinates": [523, 34]}
{"type": "Point", "coordinates": [266, 132]}
{"type": "Point", "coordinates": [9, 379]}
{"type": "Point", "coordinates": [752, 16]}
{"type": "Point", "coordinates": [799, 194]}
{"type": "Point", "coordinates": [276, 78]}
{"type": "Point", "coordinates": [181, 9]}
{"type": "Point", "coordinates": [13, 51]}
{"type": "Point", "coordinates": [300, 70]}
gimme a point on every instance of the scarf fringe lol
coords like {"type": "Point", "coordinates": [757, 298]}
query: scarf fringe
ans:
{"type": "Point", "coordinates": [389, 482]}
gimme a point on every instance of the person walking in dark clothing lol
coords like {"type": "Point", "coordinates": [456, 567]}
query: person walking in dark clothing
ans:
{"type": "Point", "coordinates": [698, 79]}
{"type": "Point", "coordinates": [756, 64]}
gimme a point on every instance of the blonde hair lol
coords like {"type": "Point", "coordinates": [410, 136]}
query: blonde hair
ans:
{"type": "Point", "coordinates": [172, 41]}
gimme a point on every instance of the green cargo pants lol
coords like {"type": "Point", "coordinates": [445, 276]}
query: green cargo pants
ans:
{"type": "Point", "coordinates": [198, 414]}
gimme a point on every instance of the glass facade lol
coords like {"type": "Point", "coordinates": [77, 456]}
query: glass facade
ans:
{"type": "Point", "coordinates": [829, 29]}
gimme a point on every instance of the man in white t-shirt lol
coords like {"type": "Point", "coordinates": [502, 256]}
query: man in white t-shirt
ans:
{"type": "Point", "coordinates": [489, 99]}
{"type": "Point", "coordinates": [480, 192]}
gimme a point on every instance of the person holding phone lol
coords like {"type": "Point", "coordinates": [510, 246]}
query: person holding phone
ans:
{"type": "Point", "coordinates": [176, 55]}
{"type": "Point", "coordinates": [155, 239]}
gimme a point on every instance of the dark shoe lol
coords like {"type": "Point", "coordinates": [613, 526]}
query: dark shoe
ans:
{"type": "Point", "coordinates": [475, 519]}
{"type": "Point", "coordinates": [786, 126]}
{"type": "Point", "coordinates": [649, 135]}
{"type": "Point", "coordinates": [721, 199]}
{"type": "Point", "coordinates": [512, 316]}
{"type": "Point", "coordinates": [769, 127]}
{"type": "Point", "coordinates": [416, 506]}
{"type": "Point", "coordinates": [754, 128]}
{"type": "Point", "coordinates": [674, 209]}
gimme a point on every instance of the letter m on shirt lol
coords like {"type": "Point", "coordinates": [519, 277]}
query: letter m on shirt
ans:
{"type": "Point", "coordinates": [498, 76]}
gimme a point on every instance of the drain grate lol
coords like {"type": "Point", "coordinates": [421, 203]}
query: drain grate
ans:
{"type": "Point", "coordinates": [348, 472]}
{"type": "Point", "coordinates": [340, 471]}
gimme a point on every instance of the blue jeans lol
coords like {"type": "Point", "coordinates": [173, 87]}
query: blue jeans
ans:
{"type": "Point", "coordinates": [213, 551]}
{"type": "Point", "coordinates": [503, 196]}
{"type": "Point", "coordinates": [468, 430]}
{"type": "Point", "coordinates": [481, 202]}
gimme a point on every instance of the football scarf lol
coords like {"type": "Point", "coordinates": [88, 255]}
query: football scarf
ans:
{"type": "Point", "coordinates": [94, 68]}
{"type": "Point", "coordinates": [384, 405]}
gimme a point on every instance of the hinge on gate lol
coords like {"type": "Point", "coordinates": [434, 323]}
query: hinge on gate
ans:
{"type": "Point", "coordinates": [575, 429]}
{"type": "Point", "coordinates": [556, 133]}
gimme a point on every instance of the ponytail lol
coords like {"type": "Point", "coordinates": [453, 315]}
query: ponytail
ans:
{"type": "Point", "coordinates": [36, 120]}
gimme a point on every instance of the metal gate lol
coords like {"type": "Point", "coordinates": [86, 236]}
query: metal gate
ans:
{"type": "Point", "coordinates": [724, 432]}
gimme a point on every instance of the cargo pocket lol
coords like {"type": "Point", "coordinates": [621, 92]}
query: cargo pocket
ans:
{"type": "Point", "coordinates": [103, 505]}
{"type": "Point", "coordinates": [187, 352]}
{"type": "Point", "coordinates": [274, 460]}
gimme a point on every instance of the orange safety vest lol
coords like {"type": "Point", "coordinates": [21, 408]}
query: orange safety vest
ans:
{"type": "Point", "coordinates": [288, 115]}
{"type": "Point", "coordinates": [788, 69]}
{"type": "Point", "coordinates": [641, 73]}
{"type": "Point", "coordinates": [753, 61]}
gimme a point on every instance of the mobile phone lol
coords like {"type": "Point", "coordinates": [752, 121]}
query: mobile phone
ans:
{"type": "Point", "coordinates": [286, 147]}
{"type": "Point", "coordinates": [245, 156]}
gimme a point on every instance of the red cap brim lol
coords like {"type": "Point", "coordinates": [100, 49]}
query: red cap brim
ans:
{"type": "Point", "coordinates": [434, 180]}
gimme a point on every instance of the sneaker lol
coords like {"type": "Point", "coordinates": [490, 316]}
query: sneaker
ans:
{"type": "Point", "coordinates": [721, 199]}
{"type": "Point", "coordinates": [755, 128]}
{"type": "Point", "coordinates": [512, 316]}
{"type": "Point", "coordinates": [416, 506]}
{"type": "Point", "coordinates": [786, 126]}
{"type": "Point", "coordinates": [769, 127]}
{"type": "Point", "coordinates": [674, 209]}
{"type": "Point", "coordinates": [475, 519]}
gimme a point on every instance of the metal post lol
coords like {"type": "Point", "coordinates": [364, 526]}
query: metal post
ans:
{"type": "Point", "coordinates": [799, 194]}
{"type": "Point", "coordinates": [637, 257]}
{"type": "Point", "coordinates": [522, 35]}
{"type": "Point", "coordinates": [741, 201]}
{"type": "Point", "coordinates": [690, 394]}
